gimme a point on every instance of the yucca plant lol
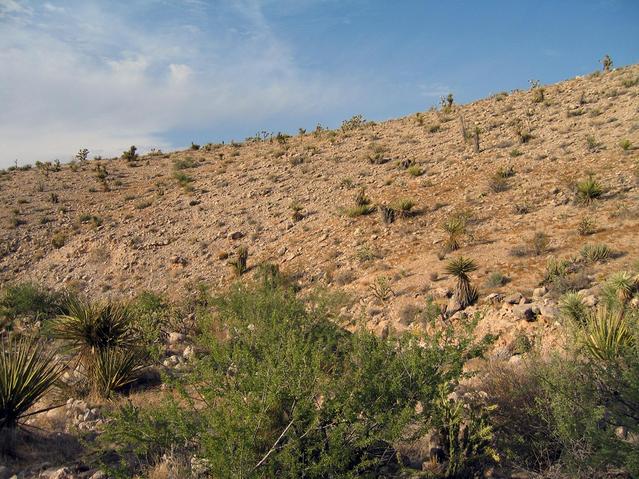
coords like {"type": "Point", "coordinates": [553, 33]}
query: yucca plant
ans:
{"type": "Point", "coordinates": [465, 293]}
{"type": "Point", "coordinates": [26, 374]}
{"type": "Point", "coordinates": [619, 288]}
{"type": "Point", "coordinates": [387, 213]}
{"type": "Point", "coordinates": [106, 344]}
{"type": "Point", "coordinates": [588, 190]}
{"type": "Point", "coordinates": [572, 307]}
{"type": "Point", "coordinates": [455, 227]}
{"type": "Point", "coordinates": [607, 333]}
{"type": "Point", "coordinates": [114, 369]}
{"type": "Point", "coordinates": [92, 327]}
{"type": "Point", "coordinates": [596, 252]}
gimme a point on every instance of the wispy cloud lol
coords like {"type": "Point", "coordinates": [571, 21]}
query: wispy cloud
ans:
{"type": "Point", "coordinates": [87, 74]}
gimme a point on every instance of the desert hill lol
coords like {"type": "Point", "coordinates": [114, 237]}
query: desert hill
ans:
{"type": "Point", "coordinates": [166, 221]}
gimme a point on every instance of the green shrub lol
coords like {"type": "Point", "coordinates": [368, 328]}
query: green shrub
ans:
{"type": "Point", "coordinates": [30, 301]}
{"type": "Point", "coordinates": [105, 342]}
{"type": "Point", "coordinates": [625, 144]}
{"type": "Point", "coordinates": [596, 252]}
{"type": "Point", "coordinates": [26, 374]}
{"type": "Point", "coordinates": [586, 226]}
{"type": "Point", "coordinates": [289, 394]}
{"type": "Point", "coordinates": [588, 190]}
{"type": "Point", "coordinates": [415, 170]}
{"type": "Point", "coordinates": [496, 280]}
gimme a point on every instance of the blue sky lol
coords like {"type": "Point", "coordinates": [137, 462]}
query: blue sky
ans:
{"type": "Point", "coordinates": [105, 74]}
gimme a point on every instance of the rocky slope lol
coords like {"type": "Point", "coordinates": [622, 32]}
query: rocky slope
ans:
{"type": "Point", "coordinates": [168, 221]}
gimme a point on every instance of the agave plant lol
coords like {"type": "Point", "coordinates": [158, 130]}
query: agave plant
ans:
{"type": "Point", "coordinates": [607, 333]}
{"type": "Point", "coordinates": [26, 374]}
{"type": "Point", "coordinates": [465, 293]}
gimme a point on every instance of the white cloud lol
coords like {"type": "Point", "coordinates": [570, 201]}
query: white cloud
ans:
{"type": "Point", "coordinates": [88, 75]}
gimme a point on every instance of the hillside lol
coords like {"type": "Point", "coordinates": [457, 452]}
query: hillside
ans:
{"type": "Point", "coordinates": [148, 232]}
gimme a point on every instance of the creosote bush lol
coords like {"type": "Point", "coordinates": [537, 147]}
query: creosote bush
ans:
{"type": "Point", "coordinates": [286, 393]}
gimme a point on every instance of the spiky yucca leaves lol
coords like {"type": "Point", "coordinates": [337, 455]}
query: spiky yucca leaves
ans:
{"type": "Point", "coordinates": [588, 190]}
{"type": "Point", "coordinates": [606, 333]}
{"type": "Point", "coordinates": [465, 293]}
{"type": "Point", "coordinates": [26, 374]}
{"type": "Point", "coordinates": [114, 369]}
{"type": "Point", "coordinates": [572, 307]}
{"type": "Point", "coordinates": [619, 288]}
{"type": "Point", "coordinates": [596, 252]}
{"type": "Point", "coordinates": [91, 327]}
{"type": "Point", "coordinates": [455, 227]}
{"type": "Point", "coordinates": [106, 343]}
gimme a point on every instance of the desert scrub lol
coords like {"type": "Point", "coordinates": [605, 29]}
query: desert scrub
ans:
{"type": "Point", "coordinates": [239, 264]}
{"type": "Point", "coordinates": [381, 288]}
{"type": "Point", "coordinates": [376, 154]}
{"type": "Point", "coordinates": [415, 170]}
{"type": "Point", "coordinates": [625, 145]}
{"type": "Point", "coordinates": [184, 163]}
{"type": "Point", "coordinates": [58, 240]}
{"type": "Point", "coordinates": [258, 386]}
{"type": "Point", "coordinates": [586, 226]}
{"type": "Point", "coordinates": [496, 280]}
{"type": "Point", "coordinates": [183, 180]}
{"type": "Point", "coordinates": [596, 252]}
{"type": "Point", "coordinates": [404, 207]}
{"type": "Point", "coordinates": [588, 190]}
{"type": "Point", "coordinates": [362, 205]}
{"type": "Point", "coordinates": [539, 243]}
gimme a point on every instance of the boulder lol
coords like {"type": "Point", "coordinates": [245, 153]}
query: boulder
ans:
{"type": "Point", "coordinates": [527, 312]}
{"type": "Point", "coordinates": [539, 292]}
{"type": "Point", "coordinates": [514, 298]}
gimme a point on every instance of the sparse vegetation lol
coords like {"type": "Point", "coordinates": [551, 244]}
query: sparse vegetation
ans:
{"type": "Point", "coordinates": [588, 190]}
{"type": "Point", "coordinates": [465, 293]}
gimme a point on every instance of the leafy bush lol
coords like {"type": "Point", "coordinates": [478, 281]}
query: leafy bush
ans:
{"type": "Point", "coordinates": [26, 374]}
{"type": "Point", "coordinates": [30, 301]}
{"type": "Point", "coordinates": [289, 394]}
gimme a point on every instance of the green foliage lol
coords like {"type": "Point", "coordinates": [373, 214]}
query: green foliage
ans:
{"type": "Point", "coordinates": [456, 228]}
{"type": "Point", "coordinates": [496, 280]}
{"type": "Point", "coordinates": [131, 154]}
{"type": "Point", "coordinates": [381, 288]}
{"type": "Point", "coordinates": [185, 163]}
{"type": "Point", "coordinates": [415, 170]}
{"type": "Point", "coordinates": [26, 374]}
{"type": "Point", "coordinates": [625, 144]}
{"type": "Point", "coordinates": [573, 308]}
{"type": "Point", "coordinates": [289, 394]}
{"type": "Point", "coordinates": [586, 226]}
{"type": "Point", "coordinates": [468, 436]}
{"type": "Point", "coordinates": [104, 340]}
{"type": "Point", "coordinates": [607, 333]}
{"type": "Point", "coordinates": [465, 292]}
{"type": "Point", "coordinates": [588, 190]}
{"type": "Point", "coordinates": [596, 252]}
{"type": "Point", "coordinates": [30, 301]}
